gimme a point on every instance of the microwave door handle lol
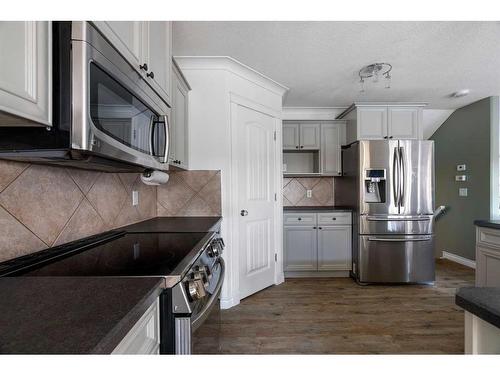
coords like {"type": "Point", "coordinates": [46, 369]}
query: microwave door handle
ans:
{"type": "Point", "coordinates": [152, 125]}
{"type": "Point", "coordinates": [167, 138]}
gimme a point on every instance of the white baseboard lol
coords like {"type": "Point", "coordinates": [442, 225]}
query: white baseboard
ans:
{"type": "Point", "coordinates": [228, 303]}
{"type": "Point", "coordinates": [458, 259]}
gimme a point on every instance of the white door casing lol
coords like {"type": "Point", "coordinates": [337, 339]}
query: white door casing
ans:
{"type": "Point", "coordinates": [256, 172]}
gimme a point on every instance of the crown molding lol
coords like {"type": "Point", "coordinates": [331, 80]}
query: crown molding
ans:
{"type": "Point", "coordinates": [232, 65]}
{"type": "Point", "coordinates": [311, 113]}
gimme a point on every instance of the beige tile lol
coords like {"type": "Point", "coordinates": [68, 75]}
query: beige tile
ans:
{"type": "Point", "coordinates": [15, 239]}
{"type": "Point", "coordinates": [85, 222]}
{"type": "Point", "coordinates": [309, 182]}
{"type": "Point", "coordinates": [197, 207]}
{"type": "Point", "coordinates": [286, 202]}
{"type": "Point", "coordinates": [84, 179]}
{"type": "Point", "coordinates": [323, 192]}
{"type": "Point", "coordinates": [308, 202]}
{"type": "Point", "coordinates": [196, 180]}
{"type": "Point", "coordinates": [129, 179]}
{"type": "Point", "coordinates": [128, 215]}
{"type": "Point", "coordinates": [147, 199]}
{"type": "Point", "coordinates": [211, 193]}
{"type": "Point", "coordinates": [174, 194]}
{"type": "Point", "coordinates": [42, 198]}
{"type": "Point", "coordinates": [286, 181]}
{"type": "Point", "coordinates": [107, 196]}
{"type": "Point", "coordinates": [294, 192]}
{"type": "Point", "coordinates": [162, 211]}
{"type": "Point", "coordinates": [9, 170]}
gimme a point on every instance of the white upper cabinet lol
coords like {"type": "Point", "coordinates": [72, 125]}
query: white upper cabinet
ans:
{"type": "Point", "coordinates": [404, 122]}
{"type": "Point", "coordinates": [372, 123]}
{"type": "Point", "coordinates": [160, 56]}
{"type": "Point", "coordinates": [178, 155]}
{"type": "Point", "coordinates": [331, 149]}
{"type": "Point", "coordinates": [26, 73]}
{"type": "Point", "coordinates": [309, 136]}
{"type": "Point", "coordinates": [291, 136]}
{"type": "Point", "coordinates": [366, 121]}
{"type": "Point", "coordinates": [148, 48]}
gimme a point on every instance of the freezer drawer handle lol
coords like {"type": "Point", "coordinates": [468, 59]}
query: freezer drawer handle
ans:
{"type": "Point", "coordinates": [374, 218]}
{"type": "Point", "coordinates": [399, 239]}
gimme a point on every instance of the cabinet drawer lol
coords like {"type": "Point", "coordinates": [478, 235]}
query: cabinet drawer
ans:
{"type": "Point", "coordinates": [334, 218]}
{"type": "Point", "coordinates": [488, 236]}
{"type": "Point", "coordinates": [299, 219]}
{"type": "Point", "coordinates": [144, 337]}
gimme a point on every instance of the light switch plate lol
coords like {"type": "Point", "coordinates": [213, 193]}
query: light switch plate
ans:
{"type": "Point", "coordinates": [135, 198]}
{"type": "Point", "coordinates": [284, 167]}
{"type": "Point", "coordinates": [462, 192]}
{"type": "Point", "coordinates": [461, 178]}
{"type": "Point", "coordinates": [309, 193]}
{"type": "Point", "coordinates": [461, 167]}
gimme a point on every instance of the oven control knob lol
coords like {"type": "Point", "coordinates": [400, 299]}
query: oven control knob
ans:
{"type": "Point", "coordinates": [196, 289]}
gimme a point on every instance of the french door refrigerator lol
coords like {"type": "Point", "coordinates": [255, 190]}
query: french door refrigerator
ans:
{"type": "Point", "coordinates": [390, 185]}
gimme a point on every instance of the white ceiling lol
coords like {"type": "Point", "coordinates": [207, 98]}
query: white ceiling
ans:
{"type": "Point", "coordinates": [320, 61]}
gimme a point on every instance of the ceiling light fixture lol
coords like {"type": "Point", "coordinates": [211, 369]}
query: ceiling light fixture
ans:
{"type": "Point", "coordinates": [460, 93]}
{"type": "Point", "coordinates": [375, 70]}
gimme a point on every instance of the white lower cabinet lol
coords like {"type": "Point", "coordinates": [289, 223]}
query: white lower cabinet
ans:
{"type": "Point", "coordinates": [26, 73]}
{"type": "Point", "coordinates": [487, 257]}
{"type": "Point", "coordinates": [178, 155]}
{"type": "Point", "coordinates": [144, 337]}
{"type": "Point", "coordinates": [312, 247]}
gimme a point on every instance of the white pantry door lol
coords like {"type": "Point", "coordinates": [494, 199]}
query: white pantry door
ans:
{"type": "Point", "coordinates": [256, 188]}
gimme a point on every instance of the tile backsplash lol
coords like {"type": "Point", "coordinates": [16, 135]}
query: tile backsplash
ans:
{"type": "Point", "coordinates": [190, 193]}
{"type": "Point", "coordinates": [295, 191]}
{"type": "Point", "coordinates": [42, 206]}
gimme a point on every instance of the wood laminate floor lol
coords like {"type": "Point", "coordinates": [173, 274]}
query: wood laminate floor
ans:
{"type": "Point", "coordinates": [337, 316]}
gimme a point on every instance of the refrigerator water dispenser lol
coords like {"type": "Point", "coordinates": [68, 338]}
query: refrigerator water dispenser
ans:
{"type": "Point", "coordinates": [374, 186]}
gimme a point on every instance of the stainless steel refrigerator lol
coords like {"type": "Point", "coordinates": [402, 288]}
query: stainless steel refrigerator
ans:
{"type": "Point", "coordinates": [390, 185]}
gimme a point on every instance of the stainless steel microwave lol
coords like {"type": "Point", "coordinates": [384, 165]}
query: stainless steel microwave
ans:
{"type": "Point", "coordinates": [106, 115]}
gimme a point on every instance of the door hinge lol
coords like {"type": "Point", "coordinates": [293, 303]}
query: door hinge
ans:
{"type": "Point", "coordinates": [275, 135]}
{"type": "Point", "coordinates": [275, 257]}
{"type": "Point", "coordinates": [275, 197]}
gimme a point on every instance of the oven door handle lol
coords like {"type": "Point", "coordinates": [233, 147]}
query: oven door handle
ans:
{"type": "Point", "coordinates": [202, 316]}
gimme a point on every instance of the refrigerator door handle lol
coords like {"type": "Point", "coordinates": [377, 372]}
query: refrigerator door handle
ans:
{"type": "Point", "coordinates": [398, 218]}
{"type": "Point", "coordinates": [395, 176]}
{"type": "Point", "coordinates": [408, 239]}
{"type": "Point", "coordinates": [402, 178]}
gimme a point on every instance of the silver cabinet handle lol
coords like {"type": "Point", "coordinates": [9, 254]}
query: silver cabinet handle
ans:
{"type": "Point", "coordinates": [243, 212]}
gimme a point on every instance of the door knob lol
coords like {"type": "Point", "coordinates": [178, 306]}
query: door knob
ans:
{"type": "Point", "coordinates": [243, 212]}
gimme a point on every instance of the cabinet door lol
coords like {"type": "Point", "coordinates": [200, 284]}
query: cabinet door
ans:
{"type": "Point", "coordinates": [330, 150]}
{"type": "Point", "coordinates": [159, 35]}
{"type": "Point", "coordinates": [179, 154]}
{"type": "Point", "coordinates": [290, 136]}
{"type": "Point", "coordinates": [300, 244]}
{"type": "Point", "coordinates": [309, 136]}
{"type": "Point", "coordinates": [128, 37]}
{"type": "Point", "coordinates": [372, 123]}
{"type": "Point", "coordinates": [26, 72]}
{"type": "Point", "coordinates": [488, 267]}
{"type": "Point", "coordinates": [403, 122]}
{"type": "Point", "coordinates": [334, 248]}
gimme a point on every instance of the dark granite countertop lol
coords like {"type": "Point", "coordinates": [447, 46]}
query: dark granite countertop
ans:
{"type": "Point", "coordinates": [317, 208]}
{"type": "Point", "coordinates": [175, 224]}
{"type": "Point", "coordinates": [495, 224]}
{"type": "Point", "coordinates": [71, 315]}
{"type": "Point", "coordinates": [482, 302]}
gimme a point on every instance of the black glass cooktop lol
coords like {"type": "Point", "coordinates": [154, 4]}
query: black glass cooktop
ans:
{"type": "Point", "coordinates": [134, 254]}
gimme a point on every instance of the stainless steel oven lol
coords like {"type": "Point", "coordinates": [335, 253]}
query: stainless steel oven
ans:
{"type": "Point", "coordinates": [106, 115]}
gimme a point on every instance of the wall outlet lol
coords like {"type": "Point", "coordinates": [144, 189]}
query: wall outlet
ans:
{"type": "Point", "coordinates": [309, 193]}
{"type": "Point", "coordinates": [135, 198]}
{"type": "Point", "coordinates": [462, 192]}
{"type": "Point", "coordinates": [461, 167]}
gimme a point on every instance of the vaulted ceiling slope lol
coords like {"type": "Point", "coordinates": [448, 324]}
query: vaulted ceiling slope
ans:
{"type": "Point", "coordinates": [320, 61]}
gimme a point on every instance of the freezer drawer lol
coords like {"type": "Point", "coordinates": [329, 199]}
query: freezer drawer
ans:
{"type": "Point", "coordinates": [411, 225]}
{"type": "Point", "coordinates": [396, 259]}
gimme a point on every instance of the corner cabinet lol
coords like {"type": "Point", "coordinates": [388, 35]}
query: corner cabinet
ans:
{"type": "Point", "coordinates": [317, 244]}
{"type": "Point", "coordinates": [378, 121]}
{"type": "Point", "coordinates": [26, 75]}
{"type": "Point", "coordinates": [178, 155]}
{"type": "Point", "coordinates": [148, 48]}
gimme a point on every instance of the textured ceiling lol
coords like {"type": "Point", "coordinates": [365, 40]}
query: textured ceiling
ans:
{"type": "Point", "coordinates": [319, 61]}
